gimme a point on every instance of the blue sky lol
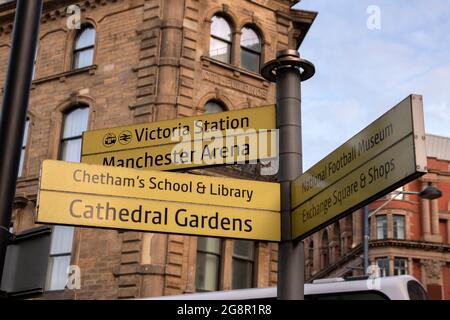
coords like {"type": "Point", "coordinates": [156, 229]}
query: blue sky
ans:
{"type": "Point", "coordinates": [362, 73]}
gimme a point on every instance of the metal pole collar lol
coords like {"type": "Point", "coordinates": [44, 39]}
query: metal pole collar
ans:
{"type": "Point", "coordinates": [288, 58]}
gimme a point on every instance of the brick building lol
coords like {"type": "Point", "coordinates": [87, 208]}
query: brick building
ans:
{"type": "Point", "coordinates": [409, 235]}
{"type": "Point", "coordinates": [136, 61]}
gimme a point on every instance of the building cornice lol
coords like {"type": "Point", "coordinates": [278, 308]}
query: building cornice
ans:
{"type": "Point", "coordinates": [421, 245]}
{"type": "Point", "coordinates": [52, 9]}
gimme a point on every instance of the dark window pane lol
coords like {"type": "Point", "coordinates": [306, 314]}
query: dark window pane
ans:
{"type": "Point", "coordinates": [86, 38]}
{"type": "Point", "coordinates": [250, 40]}
{"type": "Point", "coordinates": [399, 227]}
{"type": "Point", "coordinates": [250, 60]}
{"type": "Point", "coordinates": [400, 266]}
{"type": "Point", "coordinates": [381, 227]}
{"type": "Point", "coordinates": [415, 291]}
{"type": "Point", "coordinates": [220, 50]}
{"type": "Point", "coordinates": [383, 264]}
{"type": "Point", "coordinates": [213, 107]}
{"type": "Point", "coordinates": [242, 274]}
{"type": "Point", "coordinates": [243, 248]}
{"type": "Point", "coordinates": [207, 272]}
{"type": "Point", "coordinates": [220, 28]}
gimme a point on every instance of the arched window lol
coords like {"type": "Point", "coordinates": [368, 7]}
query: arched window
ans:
{"type": "Point", "coordinates": [83, 53]}
{"type": "Point", "coordinates": [75, 122]}
{"type": "Point", "coordinates": [250, 49]}
{"type": "Point", "coordinates": [220, 41]}
{"type": "Point", "coordinates": [214, 106]}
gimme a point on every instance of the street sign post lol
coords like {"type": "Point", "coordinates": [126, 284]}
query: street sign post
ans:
{"type": "Point", "coordinates": [210, 139]}
{"type": "Point", "coordinates": [155, 201]}
{"type": "Point", "coordinates": [385, 155]}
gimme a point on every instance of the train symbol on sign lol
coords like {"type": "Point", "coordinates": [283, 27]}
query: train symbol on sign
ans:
{"type": "Point", "coordinates": [109, 139]}
{"type": "Point", "coordinates": [125, 137]}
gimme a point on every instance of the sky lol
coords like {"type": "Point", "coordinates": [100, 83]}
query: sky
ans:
{"type": "Point", "coordinates": [364, 69]}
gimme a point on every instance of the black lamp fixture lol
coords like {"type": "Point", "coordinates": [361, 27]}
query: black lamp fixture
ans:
{"type": "Point", "coordinates": [430, 193]}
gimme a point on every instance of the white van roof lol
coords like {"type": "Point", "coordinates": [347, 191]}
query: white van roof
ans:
{"type": "Point", "coordinates": [394, 288]}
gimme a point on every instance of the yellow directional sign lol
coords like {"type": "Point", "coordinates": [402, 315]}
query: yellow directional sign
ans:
{"type": "Point", "coordinates": [108, 197]}
{"type": "Point", "coordinates": [211, 139]}
{"type": "Point", "coordinates": [388, 153]}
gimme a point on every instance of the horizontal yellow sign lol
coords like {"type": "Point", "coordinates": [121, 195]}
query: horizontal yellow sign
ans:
{"type": "Point", "coordinates": [172, 131]}
{"type": "Point", "coordinates": [156, 216]}
{"type": "Point", "coordinates": [98, 196]}
{"type": "Point", "coordinates": [381, 134]}
{"type": "Point", "coordinates": [158, 185]}
{"type": "Point", "coordinates": [382, 174]}
{"type": "Point", "coordinates": [215, 150]}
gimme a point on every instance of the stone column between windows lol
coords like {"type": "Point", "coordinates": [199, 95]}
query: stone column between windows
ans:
{"type": "Point", "coordinates": [425, 213]}
{"type": "Point", "coordinates": [391, 266]}
{"type": "Point", "coordinates": [435, 217]}
{"type": "Point", "coordinates": [169, 59]}
{"type": "Point", "coordinates": [448, 231]}
{"type": "Point", "coordinates": [390, 226]}
{"type": "Point", "coordinates": [358, 227]}
{"type": "Point", "coordinates": [236, 48]}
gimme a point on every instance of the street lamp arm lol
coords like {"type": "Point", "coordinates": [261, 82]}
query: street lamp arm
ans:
{"type": "Point", "coordinates": [393, 198]}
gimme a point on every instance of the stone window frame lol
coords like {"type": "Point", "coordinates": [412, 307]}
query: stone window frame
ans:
{"type": "Point", "coordinates": [390, 213]}
{"type": "Point", "coordinates": [253, 261]}
{"type": "Point", "coordinates": [220, 256]}
{"type": "Point", "coordinates": [54, 147]}
{"type": "Point", "coordinates": [254, 27]}
{"type": "Point", "coordinates": [70, 45]}
{"type": "Point", "coordinates": [30, 118]}
{"type": "Point", "coordinates": [236, 26]}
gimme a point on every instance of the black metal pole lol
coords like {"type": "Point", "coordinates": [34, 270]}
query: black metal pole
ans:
{"type": "Point", "coordinates": [14, 109]}
{"type": "Point", "coordinates": [366, 239]}
{"type": "Point", "coordinates": [291, 256]}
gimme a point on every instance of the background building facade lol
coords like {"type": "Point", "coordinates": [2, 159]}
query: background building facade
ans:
{"type": "Point", "coordinates": [409, 235]}
{"type": "Point", "coordinates": [136, 61]}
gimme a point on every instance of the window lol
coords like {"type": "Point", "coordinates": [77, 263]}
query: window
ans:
{"type": "Point", "coordinates": [383, 264]}
{"type": "Point", "coordinates": [75, 122]}
{"type": "Point", "coordinates": [214, 106]}
{"type": "Point", "coordinates": [24, 146]}
{"type": "Point", "coordinates": [60, 253]}
{"type": "Point", "coordinates": [83, 54]}
{"type": "Point", "coordinates": [400, 266]}
{"type": "Point", "coordinates": [250, 50]}
{"type": "Point", "coordinates": [381, 227]}
{"type": "Point", "coordinates": [220, 41]}
{"type": "Point", "coordinates": [399, 227]}
{"type": "Point", "coordinates": [243, 264]}
{"type": "Point", "coordinates": [34, 64]}
{"type": "Point", "coordinates": [207, 273]}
